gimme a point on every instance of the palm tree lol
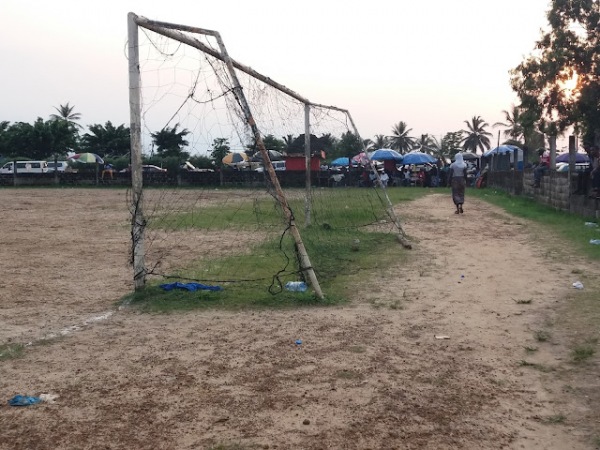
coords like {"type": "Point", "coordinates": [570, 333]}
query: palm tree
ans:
{"type": "Point", "coordinates": [107, 140]}
{"type": "Point", "coordinates": [169, 142]}
{"type": "Point", "coordinates": [513, 123]}
{"type": "Point", "coordinates": [400, 139]}
{"type": "Point", "coordinates": [65, 112]}
{"type": "Point", "coordinates": [288, 140]}
{"type": "Point", "coordinates": [476, 137]}
{"type": "Point", "coordinates": [436, 149]}
{"type": "Point", "coordinates": [425, 144]}
{"type": "Point", "coordinates": [380, 141]}
{"type": "Point", "coordinates": [368, 144]}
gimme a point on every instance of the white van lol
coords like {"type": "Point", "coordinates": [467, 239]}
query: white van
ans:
{"type": "Point", "coordinates": [25, 167]}
{"type": "Point", "coordinates": [59, 166]}
{"type": "Point", "coordinates": [277, 165]}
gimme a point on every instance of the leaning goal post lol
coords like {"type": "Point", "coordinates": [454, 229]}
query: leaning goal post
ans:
{"type": "Point", "coordinates": [253, 113]}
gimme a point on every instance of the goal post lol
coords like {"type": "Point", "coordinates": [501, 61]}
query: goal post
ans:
{"type": "Point", "coordinates": [201, 89]}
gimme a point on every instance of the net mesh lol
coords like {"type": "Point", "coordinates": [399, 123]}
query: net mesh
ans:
{"type": "Point", "coordinates": [226, 225]}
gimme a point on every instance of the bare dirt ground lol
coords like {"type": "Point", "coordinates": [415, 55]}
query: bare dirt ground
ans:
{"type": "Point", "coordinates": [370, 375]}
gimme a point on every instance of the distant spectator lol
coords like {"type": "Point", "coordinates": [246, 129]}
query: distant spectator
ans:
{"type": "Point", "coordinates": [542, 167]}
{"type": "Point", "coordinates": [458, 180]}
{"type": "Point", "coordinates": [108, 170]}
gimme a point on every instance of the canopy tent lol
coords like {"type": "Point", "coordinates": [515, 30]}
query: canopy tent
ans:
{"type": "Point", "coordinates": [418, 158]}
{"type": "Point", "coordinates": [386, 154]}
{"type": "Point", "coordinates": [502, 150]}
{"type": "Point", "coordinates": [580, 158]}
{"type": "Point", "coordinates": [343, 161]}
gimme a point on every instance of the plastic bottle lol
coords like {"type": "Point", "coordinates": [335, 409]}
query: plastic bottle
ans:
{"type": "Point", "coordinates": [595, 241]}
{"type": "Point", "coordinates": [296, 286]}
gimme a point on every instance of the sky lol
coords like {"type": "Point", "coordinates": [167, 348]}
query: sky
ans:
{"type": "Point", "coordinates": [431, 63]}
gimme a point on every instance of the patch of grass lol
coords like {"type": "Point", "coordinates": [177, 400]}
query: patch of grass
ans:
{"type": "Point", "coordinates": [582, 353]}
{"type": "Point", "coordinates": [357, 349]}
{"type": "Point", "coordinates": [11, 351]}
{"type": "Point", "coordinates": [396, 305]}
{"type": "Point", "coordinates": [256, 279]}
{"type": "Point", "coordinates": [557, 418]}
{"type": "Point", "coordinates": [499, 382]}
{"type": "Point", "coordinates": [523, 301]}
{"type": "Point", "coordinates": [536, 366]}
{"type": "Point", "coordinates": [542, 335]}
{"type": "Point", "coordinates": [231, 447]}
{"type": "Point", "coordinates": [347, 374]}
{"type": "Point", "coordinates": [569, 227]}
{"type": "Point", "coordinates": [530, 349]}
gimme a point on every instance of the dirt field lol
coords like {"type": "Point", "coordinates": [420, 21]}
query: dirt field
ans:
{"type": "Point", "coordinates": [428, 355]}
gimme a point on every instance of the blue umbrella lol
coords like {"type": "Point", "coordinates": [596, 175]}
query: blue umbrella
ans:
{"type": "Point", "coordinates": [580, 158]}
{"type": "Point", "coordinates": [343, 161]}
{"type": "Point", "coordinates": [502, 150]}
{"type": "Point", "coordinates": [386, 154]}
{"type": "Point", "coordinates": [418, 158]}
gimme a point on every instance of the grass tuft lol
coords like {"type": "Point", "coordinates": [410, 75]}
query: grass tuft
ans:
{"type": "Point", "coordinates": [536, 366]}
{"type": "Point", "coordinates": [582, 353]}
{"type": "Point", "coordinates": [542, 335]}
{"type": "Point", "coordinates": [11, 351]}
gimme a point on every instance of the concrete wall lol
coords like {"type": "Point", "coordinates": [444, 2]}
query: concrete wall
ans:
{"type": "Point", "coordinates": [554, 191]}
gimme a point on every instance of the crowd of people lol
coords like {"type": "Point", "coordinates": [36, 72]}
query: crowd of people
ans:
{"type": "Point", "coordinates": [588, 180]}
{"type": "Point", "coordinates": [460, 174]}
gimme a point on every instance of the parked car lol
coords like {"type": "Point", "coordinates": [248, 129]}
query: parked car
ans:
{"type": "Point", "coordinates": [146, 168]}
{"type": "Point", "coordinates": [60, 166]}
{"type": "Point", "coordinates": [579, 167]}
{"type": "Point", "coordinates": [25, 167]}
{"type": "Point", "coordinates": [277, 165]}
{"type": "Point", "coordinates": [189, 167]}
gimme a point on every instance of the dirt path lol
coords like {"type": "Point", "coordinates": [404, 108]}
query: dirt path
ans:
{"type": "Point", "coordinates": [372, 375]}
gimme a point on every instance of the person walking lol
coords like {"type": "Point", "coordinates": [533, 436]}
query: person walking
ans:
{"type": "Point", "coordinates": [457, 175]}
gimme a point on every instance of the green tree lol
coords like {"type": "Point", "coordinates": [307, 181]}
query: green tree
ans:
{"type": "Point", "coordinates": [4, 147]}
{"type": "Point", "coordinates": [513, 124]}
{"type": "Point", "coordinates": [349, 145]}
{"type": "Point", "coordinates": [476, 137]}
{"type": "Point", "coordinates": [380, 141]}
{"type": "Point", "coordinates": [451, 143]}
{"type": "Point", "coordinates": [170, 142]}
{"type": "Point", "coordinates": [324, 143]}
{"type": "Point", "coordinates": [288, 141]}
{"type": "Point", "coordinates": [560, 82]}
{"type": "Point", "coordinates": [271, 143]}
{"type": "Point", "coordinates": [368, 144]}
{"type": "Point", "coordinates": [66, 113]}
{"type": "Point", "coordinates": [425, 144]}
{"type": "Point", "coordinates": [220, 147]}
{"type": "Point", "coordinates": [435, 148]}
{"type": "Point", "coordinates": [107, 140]}
{"type": "Point", "coordinates": [327, 142]}
{"type": "Point", "coordinates": [40, 140]}
{"type": "Point", "coordinates": [202, 162]}
{"type": "Point", "coordinates": [400, 139]}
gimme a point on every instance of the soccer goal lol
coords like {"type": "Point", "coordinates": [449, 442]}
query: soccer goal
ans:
{"type": "Point", "coordinates": [248, 219]}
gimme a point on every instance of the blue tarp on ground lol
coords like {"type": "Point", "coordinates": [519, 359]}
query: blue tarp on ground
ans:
{"type": "Point", "coordinates": [190, 287]}
{"type": "Point", "coordinates": [23, 400]}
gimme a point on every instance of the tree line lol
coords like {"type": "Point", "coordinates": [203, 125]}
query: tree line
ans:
{"type": "Point", "coordinates": [558, 86]}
